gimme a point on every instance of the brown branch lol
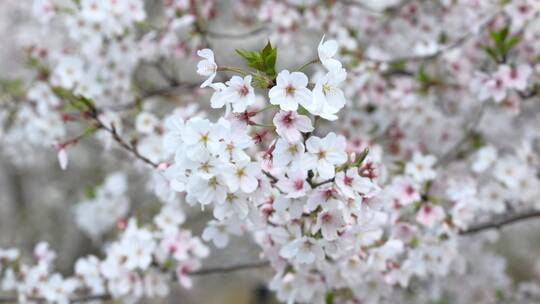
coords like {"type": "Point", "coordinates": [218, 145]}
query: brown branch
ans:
{"type": "Point", "coordinates": [315, 185]}
{"type": "Point", "coordinates": [253, 32]}
{"type": "Point", "coordinates": [362, 7]}
{"type": "Point", "coordinates": [94, 114]}
{"type": "Point", "coordinates": [457, 43]}
{"type": "Point", "coordinates": [233, 268]}
{"type": "Point", "coordinates": [163, 91]}
{"type": "Point", "coordinates": [128, 147]}
{"type": "Point", "coordinates": [273, 178]}
{"type": "Point", "coordinates": [452, 153]}
{"type": "Point", "coordinates": [498, 223]}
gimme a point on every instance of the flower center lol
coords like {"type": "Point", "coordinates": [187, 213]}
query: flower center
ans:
{"type": "Point", "coordinates": [205, 166]}
{"type": "Point", "coordinates": [326, 88]}
{"type": "Point", "coordinates": [298, 185]}
{"type": "Point", "coordinates": [288, 119]}
{"type": "Point", "coordinates": [293, 149]}
{"type": "Point", "coordinates": [204, 138]}
{"type": "Point", "coordinates": [289, 90]}
{"type": "Point", "coordinates": [241, 172]}
{"type": "Point", "coordinates": [326, 218]}
{"type": "Point", "coordinates": [348, 180]}
{"type": "Point", "coordinates": [244, 91]}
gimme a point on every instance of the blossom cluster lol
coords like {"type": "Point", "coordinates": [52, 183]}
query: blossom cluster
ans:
{"type": "Point", "coordinates": [106, 206]}
{"type": "Point", "coordinates": [140, 263]}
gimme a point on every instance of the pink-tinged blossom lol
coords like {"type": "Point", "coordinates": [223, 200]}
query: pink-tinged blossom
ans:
{"type": "Point", "coordinates": [351, 184]}
{"type": "Point", "coordinates": [404, 191]}
{"type": "Point", "coordinates": [515, 77]}
{"type": "Point", "coordinates": [238, 92]}
{"type": "Point", "coordinates": [295, 184]}
{"type": "Point", "coordinates": [430, 215]}
{"type": "Point", "coordinates": [290, 125]}
{"type": "Point", "coordinates": [329, 222]}
{"type": "Point", "coordinates": [290, 91]}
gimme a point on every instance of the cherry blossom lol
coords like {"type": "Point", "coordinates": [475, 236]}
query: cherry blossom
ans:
{"type": "Point", "coordinates": [324, 153]}
{"type": "Point", "coordinates": [238, 92]}
{"type": "Point", "coordinates": [420, 168]}
{"type": "Point", "coordinates": [290, 91]}
{"type": "Point", "coordinates": [290, 125]}
{"type": "Point", "coordinates": [207, 67]}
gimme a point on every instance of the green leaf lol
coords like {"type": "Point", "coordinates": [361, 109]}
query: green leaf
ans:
{"type": "Point", "coordinates": [329, 298]}
{"type": "Point", "coordinates": [361, 157]}
{"type": "Point", "coordinates": [12, 87]}
{"type": "Point", "coordinates": [499, 294]}
{"type": "Point", "coordinates": [503, 44]}
{"type": "Point", "coordinates": [90, 130]}
{"type": "Point", "coordinates": [302, 110]}
{"type": "Point", "coordinates": [267, 49]}
{"type": "Point", "coordinates": [90, 192]}
{"type": "Point", "coordinates": [491, 52]}
{"type": "Point", "coordinates": [512, 42]}
{"type": "Point", "coordinates": [263, 61]}
{"type": "Point", "coordinates": [477, 141]}
{"type": "Point", "coordinates": [247, 55]}
{"type": "Point", "coordinates": [500, 36]}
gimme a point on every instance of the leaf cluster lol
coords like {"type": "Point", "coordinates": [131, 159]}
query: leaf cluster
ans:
{"type": "Point", "coordinates": [263, 61]}
{"type": "Point", "coordinates": [503, 43]}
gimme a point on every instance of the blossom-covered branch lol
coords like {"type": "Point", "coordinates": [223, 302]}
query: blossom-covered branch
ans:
{"type": "Point", "coordinates": [355, 172]}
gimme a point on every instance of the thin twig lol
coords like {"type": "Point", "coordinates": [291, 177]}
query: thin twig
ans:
{"type": "Point", "coordinates": [236, 35]}
{"type": "Point", "coordinates": [163, 91]}
{"type": "Point", "coordinates": [94, 114]}
{"type": "Point", "coordinates": [454, 151]}
{"type": "Point", "coordinates": [233, 268]}
{"type": "Point", "coordinates": [457, 43]}
{"type": "Point", "coordinates": [130, 148]}
{"type": "Point", "coordinates": [315, 185]}
{"type": "Point", "coordinates": [498, 223]}
{"type": "Point", "coordinates": [362, 7]}
{"type": "Point", "coordinates": [273, 178]}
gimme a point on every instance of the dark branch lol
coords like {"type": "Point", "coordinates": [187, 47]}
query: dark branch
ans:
{"type": "Point", "coordinates": [273, 178]}
{"type": "Point", "coordinates": [128, 147]}
{"type": "Point", "coordinates": [362, 7]}
{"type": "Point", "coordinates": [315, 185]}
{"type": "Point", "coordinates": [236, 35]}
{"type": "Point", "coordinates": [501, 221]}
{"type": "Point", "coordinates": [233, 268]}
{"type": "Point", "coordinates": [453, 153]}
{"type": "Point", "coordinates": [169, 90]}
{"type": "Point", "coordinates": [457, 43]}
{"type": "Point", "coordinates": [94, 114]}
